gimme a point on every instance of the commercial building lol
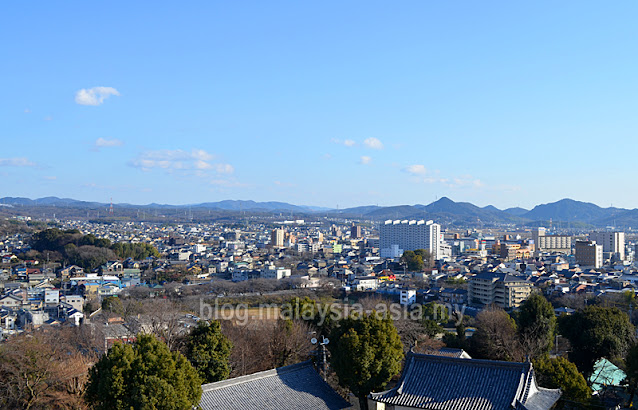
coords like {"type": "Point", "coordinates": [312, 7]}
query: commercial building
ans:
{"type": "Point", "coordinates": [506, 291]}
{"type": "Point", "coordinates": [395, 237]}
{"type": "Point", "coordinates": [589, 254]}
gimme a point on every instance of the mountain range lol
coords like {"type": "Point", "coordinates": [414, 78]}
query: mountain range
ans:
{"type": "Point", "coordinates": [566, 211]}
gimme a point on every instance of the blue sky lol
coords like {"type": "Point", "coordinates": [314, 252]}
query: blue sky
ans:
{"type": "Point", "coordinates": [320, 103]}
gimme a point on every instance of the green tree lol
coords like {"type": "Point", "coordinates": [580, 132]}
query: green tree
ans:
{"type": "Point", "coordinates": [145, 375]}
{"type": "Point", "coordinates": [560, 373]}
{"type": "Point", "coordinates": [431, 328]}
{"type": "Point", "coordinates": [366, 353]}
{"type": "Point", "coordinates": [536, 326]}
{"type": "Point", "coordinates": [413, 261]}
{"type": "Point", "coordinates": [208, 350]}
{"type": "Point", "coordinates": [631, 369]}
{"type": "Point", "coordinates": [596, 332]}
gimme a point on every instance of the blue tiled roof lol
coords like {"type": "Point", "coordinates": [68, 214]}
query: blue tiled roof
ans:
{"type": "Point", "coordinates": [292, 387]}
{"type": "Point", "coordinates": [447, 383]}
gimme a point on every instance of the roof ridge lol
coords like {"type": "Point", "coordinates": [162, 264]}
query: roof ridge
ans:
{"type": "Point", "coordinates": [256, 376]}
{"type": "Point", "coordinates": [474, 362]}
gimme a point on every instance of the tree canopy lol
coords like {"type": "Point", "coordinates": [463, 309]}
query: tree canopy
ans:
{"type": "Point", "coordinates": [416, 260]}
{"type": "Point", "coordinates": [536, 325]}
{"type": "Point", "coordinates": [560, 373]}
{"type": "Point", "coordinates": [87, 251]}
{"type": "Point", "coordinates": [366, 353]}
{"type": "Point", "coordinates": [145, 375]}
{"type": "Point", "coordinates": [495, 337]}
{"type": "Point", "coordinates": [208, 350]}
{"type": "Point", "coordinates": [597, 332]}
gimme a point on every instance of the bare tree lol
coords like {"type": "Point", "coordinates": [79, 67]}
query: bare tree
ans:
{"type": "Point", "coordinates": [496, 336]}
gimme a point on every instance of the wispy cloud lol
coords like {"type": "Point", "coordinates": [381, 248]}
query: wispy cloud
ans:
{"type": "Point", "coordinates": [365, 160]}
{"type": "Point", "coordinates": [16, 162]}
{"type": "Point", "coordinates": [196, 162]}
{"type": "Point", "coordinates": [50, 178]}
{"type": "Point", "coordinates": [107, 143]}
{"type": "Point", "coordinates": [373, 143]}
{"type": "Point", "coordinates": [95, 95]}
{"type": "Point", "coordinates": [346, 142]}
{"type": "Point", "coordinates": [425, 176]}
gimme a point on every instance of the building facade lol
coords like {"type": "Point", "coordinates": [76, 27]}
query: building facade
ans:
{"type": "Point", "coordinates": [506, 291]}
{"type": "Point", "coordinates": [398, 236]}
{"type": "Point", "coordinates": [589, 254]}
{"type": "Point", "coordinates": [551, 243]}
{"type": "Point", "coordinates": [613, 243]}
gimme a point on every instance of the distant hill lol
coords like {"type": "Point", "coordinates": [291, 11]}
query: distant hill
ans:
{"type": "Point", "coordinates": [568, 210]}
{"type": "Point", "coordinates": [444, 211]}
{"type": "Point", "coordinates": [517, 211]}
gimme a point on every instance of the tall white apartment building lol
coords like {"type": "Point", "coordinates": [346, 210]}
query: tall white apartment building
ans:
{"type": "Point", "coordinates": [397, 236]}
{"type": "Point", "coordinates": [612, 242]}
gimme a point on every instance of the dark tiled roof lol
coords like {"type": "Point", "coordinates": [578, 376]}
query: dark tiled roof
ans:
{"type": "Point", "coordinates": [446, 383]}
{"type": "Point", "coordinates": [292, 387]}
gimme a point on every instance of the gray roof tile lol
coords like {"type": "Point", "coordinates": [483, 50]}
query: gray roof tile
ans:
{"type": "Point", "coordinates": [447, 383]}
{"type": "Point", "coordinates": [292, 387]}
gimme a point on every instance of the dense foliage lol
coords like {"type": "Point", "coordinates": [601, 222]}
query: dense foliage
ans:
{"type": "Point", "coordinates": [366, 353]}
{"type": "Point", "coordinates": [536, 326]}
{"type": "Point", "coordinates": [597, 332]}
{"type": "Point", "coordinates": [416, 260]}
{"type": "Point", "coordinates": [208, 350]}
{"type": "Point", "coordinates": [560, 373]}
{"type": "Point", "coordinates": [87, 251]}
{"type": "Point", "coordinates": [145, 375]}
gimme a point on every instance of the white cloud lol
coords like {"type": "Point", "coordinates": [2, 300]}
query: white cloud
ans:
{"type": "Point", "coordinates": [195, 162]}
{"type": "Point", "coordinates": [104, 143]}
{"type": "Point", "coordinates": [95, 95]}
{"type": "Point", "coordinates": [349, 143]}
{"type": "Point", "coordinates": [365, 160]}
{"type": "Point", "coordinates": [16, 162]}
{"type": "Point", "coordinates": [373, 143]}
{"type": "Point", "coordinates": [416, 169]}
{"type": "Point", "coordinates": [50, 178]}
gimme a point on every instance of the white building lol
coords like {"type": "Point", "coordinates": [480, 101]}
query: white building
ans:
{"type": "Point", "coordinates": [408, 297]}
{"type": "Point", "coordinates": [398, 236]}
{"type": "Point", "coordinates": [612, 243]}
{"type": "Point", "coordinates": [272, 272]}
{"type": "Point", "coordinates": [551, 243]}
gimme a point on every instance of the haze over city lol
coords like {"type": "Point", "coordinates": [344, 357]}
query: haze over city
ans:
{"type": "Point", "coordinates": [326, 104]}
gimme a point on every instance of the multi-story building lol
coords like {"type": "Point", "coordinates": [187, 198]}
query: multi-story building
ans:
{"type": "Point", "coordinates": [506, 291]}
{"type": "Point", "coordinates": [551, 243]}
{"type": "Point", "coordinates": [395, 237]}
{"type": "Point", "coordinates": [589, 254]}
{"type": "Point", "coordinates": [277, 238]}
{"type": "Point", "coordinates": [355, 232]}
{"type": "Point", "coordinates": [613, 243]}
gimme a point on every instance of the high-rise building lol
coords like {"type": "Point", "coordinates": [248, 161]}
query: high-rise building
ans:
{"type": "Point", "coordinates": [589, 254]}
{"type": "Point", "coordinates": [613, 243]}
{"type": "Point", "coordinates": [395, 237]}
{"type": "Point", "coordinates": [355, 232]}
{"type": "Point", "coordinates": [277, 238]}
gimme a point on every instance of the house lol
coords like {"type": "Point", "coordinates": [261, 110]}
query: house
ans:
{"type": "Point", "coordinates": [10, 301]}
{"type": "Point", "coordinates": [451, 383]}
{"type": "Point", "coordinates": [297, 386]}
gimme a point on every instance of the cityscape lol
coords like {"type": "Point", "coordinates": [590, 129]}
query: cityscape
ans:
{"type": "Point", "coordinates": [319, 205]}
